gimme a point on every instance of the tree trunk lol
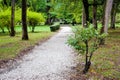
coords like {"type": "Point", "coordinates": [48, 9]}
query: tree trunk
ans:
{"type": "Point", "coordinates": [12, 33]}
{"type": "Point", "coordinates": [83, 18]}
{"type": "Point", "coordinates": [113, 15]}
{"type": "Point", "coordinates": [24, 23]}
{"type": "Point", "coordinates": [103, 17]}
{"type": "Point", "coordinates": [102, 41]}
{"type": "Point", "coordinates": [95, 14]}
{"type": "Point", "coordinates": [48, 20]}
{"type": "Point", "coordinates": [105, 20]}
{"type": "Point", "coordinates": [86, 12]}
{"type": "Point", "coordinates": [107, 14]}
{"type": "Point", "coordinates": [88, 63]}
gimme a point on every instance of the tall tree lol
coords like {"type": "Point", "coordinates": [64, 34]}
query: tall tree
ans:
{"type": "Point", "coordinates": [12, 33]}
{"type": "Point", "coordinates": [95, 14]}
{"type": "Point", "coordinates": [107, 14]}
{"type": "Point", "coordinates": [103, 18]}
{"type": "Point", "coordinates": [113, 13]}
{"type": "Point", "coordinates": [83, 18]}
{"type": "Point", "coordinates": [48, 20]}
{"type": "Point", "coordinates": [24, 22]}
{"type": "Point", "coordinates": [107, 6]}
{"type": "Point", "coordinates": [85, 12]}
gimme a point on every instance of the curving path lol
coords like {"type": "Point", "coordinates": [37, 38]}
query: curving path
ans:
{"type": "Point", "coordinates": [51, 60]}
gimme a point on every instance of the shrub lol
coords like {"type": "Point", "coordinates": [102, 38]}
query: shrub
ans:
{"type": "Point", "coordinates": [55, 26]}
{"type": "Point", "coordinates": [34, 19]}
{"type": "Point", "coordinates": [86, 41]}
{"type": "Point", "coordinates": [18, 16]}
{"type": "Point", "coordinates": [5, 19]}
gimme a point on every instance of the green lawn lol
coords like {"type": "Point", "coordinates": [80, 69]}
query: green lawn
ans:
{"type": "Point", "coordinates": [11, 46]}
{"type": "Point", "coordinates": [37, 28]}
{"type": "Point", "coordinates": [107, 59]}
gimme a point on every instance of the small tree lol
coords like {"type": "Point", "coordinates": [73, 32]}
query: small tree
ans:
{"type": "Point", "coordinates": [34, 19]}
{"type": "Point", "coordinates": [86, 41]}
{"type": "Point", "coordinates": [5, 20]}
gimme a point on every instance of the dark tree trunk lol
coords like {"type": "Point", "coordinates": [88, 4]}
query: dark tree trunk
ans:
{"type": "Point", "coordinates": [103, 17]}
{"type": "Point", "coordinates": [86, 12]}
{"type": "Point", "coordinates": [88, 63]}
{"type": "Point", "coordinates": [113, 15]}
{"type": "Point", "coordinates": [48, 20]}
{"type": "Point", "coordinates": [24, 23]}
{"type": "Point", "coordinates": [102, 41]}
{"type": "Point", "coordinates": [12, 33]}
{"type": "Point", "coordinates": [95, 14]}
{"type": "Point", "coordinates": [83, 18]}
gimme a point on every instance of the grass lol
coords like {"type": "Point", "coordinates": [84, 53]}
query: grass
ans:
{"type": "Point", "coordinates": [11, 46]}
{"type": "Point", "coordinates": [18, 28]}
{"type": "Point", "coordinates": [106, 60]}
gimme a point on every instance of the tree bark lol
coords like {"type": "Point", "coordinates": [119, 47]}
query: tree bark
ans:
{"type": "Point", "coordinates": [107, 14]}
{"type": "Point", "coordinates": [113, 15]}
{"type": "Point", "coordinates": [48, 20]}
{"type": "Point", "coordinates": [12, 33]}
{"type": "Point", "coordinates": [105, 20]}
{"type": "Point", "coordinates": [86, 12]}
{"type": "Point", "coordinates": [103, 17]}
{"type": "Point", "coordinates": [87, 62]}
{"type": "Point", "coordinates": [95, 14]}
{"type": "Point", "coordinates": [24, 22]}
{"type": "Point", "coordinates": [83, 18]}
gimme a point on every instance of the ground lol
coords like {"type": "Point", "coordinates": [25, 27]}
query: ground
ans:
{"type": "Point", "coordinates": [52, 60]}
{"type": "Point", "coordinates": [105, 61]}
{"type": "Point", "coordinates": [55, 60]}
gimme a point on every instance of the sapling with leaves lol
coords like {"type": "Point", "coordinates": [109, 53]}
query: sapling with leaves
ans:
{"type": "Point", "coordinates": [35, 19]}
{"type": "Point", "coordinates": [86, 41]}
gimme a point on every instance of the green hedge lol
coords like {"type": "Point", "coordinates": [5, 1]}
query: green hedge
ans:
{"type": "Point", "coordinates": [55, 26]}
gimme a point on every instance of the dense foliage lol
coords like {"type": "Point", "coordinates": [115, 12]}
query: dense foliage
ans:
{"type": "Point", "coordinates": [35, 19]}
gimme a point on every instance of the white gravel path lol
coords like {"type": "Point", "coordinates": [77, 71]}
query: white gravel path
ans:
{"type": "Point", "coordinates": [51, 60]}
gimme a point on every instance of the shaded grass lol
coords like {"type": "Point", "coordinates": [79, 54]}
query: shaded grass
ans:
{"type": "Point", "coordinates": [105, 61]}
{"type": "Point", "coordinates": [11, 46]}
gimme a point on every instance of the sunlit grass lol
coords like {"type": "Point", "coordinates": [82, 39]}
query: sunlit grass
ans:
{"type": "Point", "coordinates": [11, 46]}
{"type": "Point", "coordinates": [18, 28]}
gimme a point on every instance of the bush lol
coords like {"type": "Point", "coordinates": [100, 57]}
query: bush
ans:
{"type": "Point", "coordinates": [34, 18]}
{"type": "Point", "coordinates": [86, 41]}
{"type": "Point", "coordinates": [18, 16]}
{"type": "Point", "coordinates": [5, 19]}
{"type": "Point", "coordinates": [55, 26]}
